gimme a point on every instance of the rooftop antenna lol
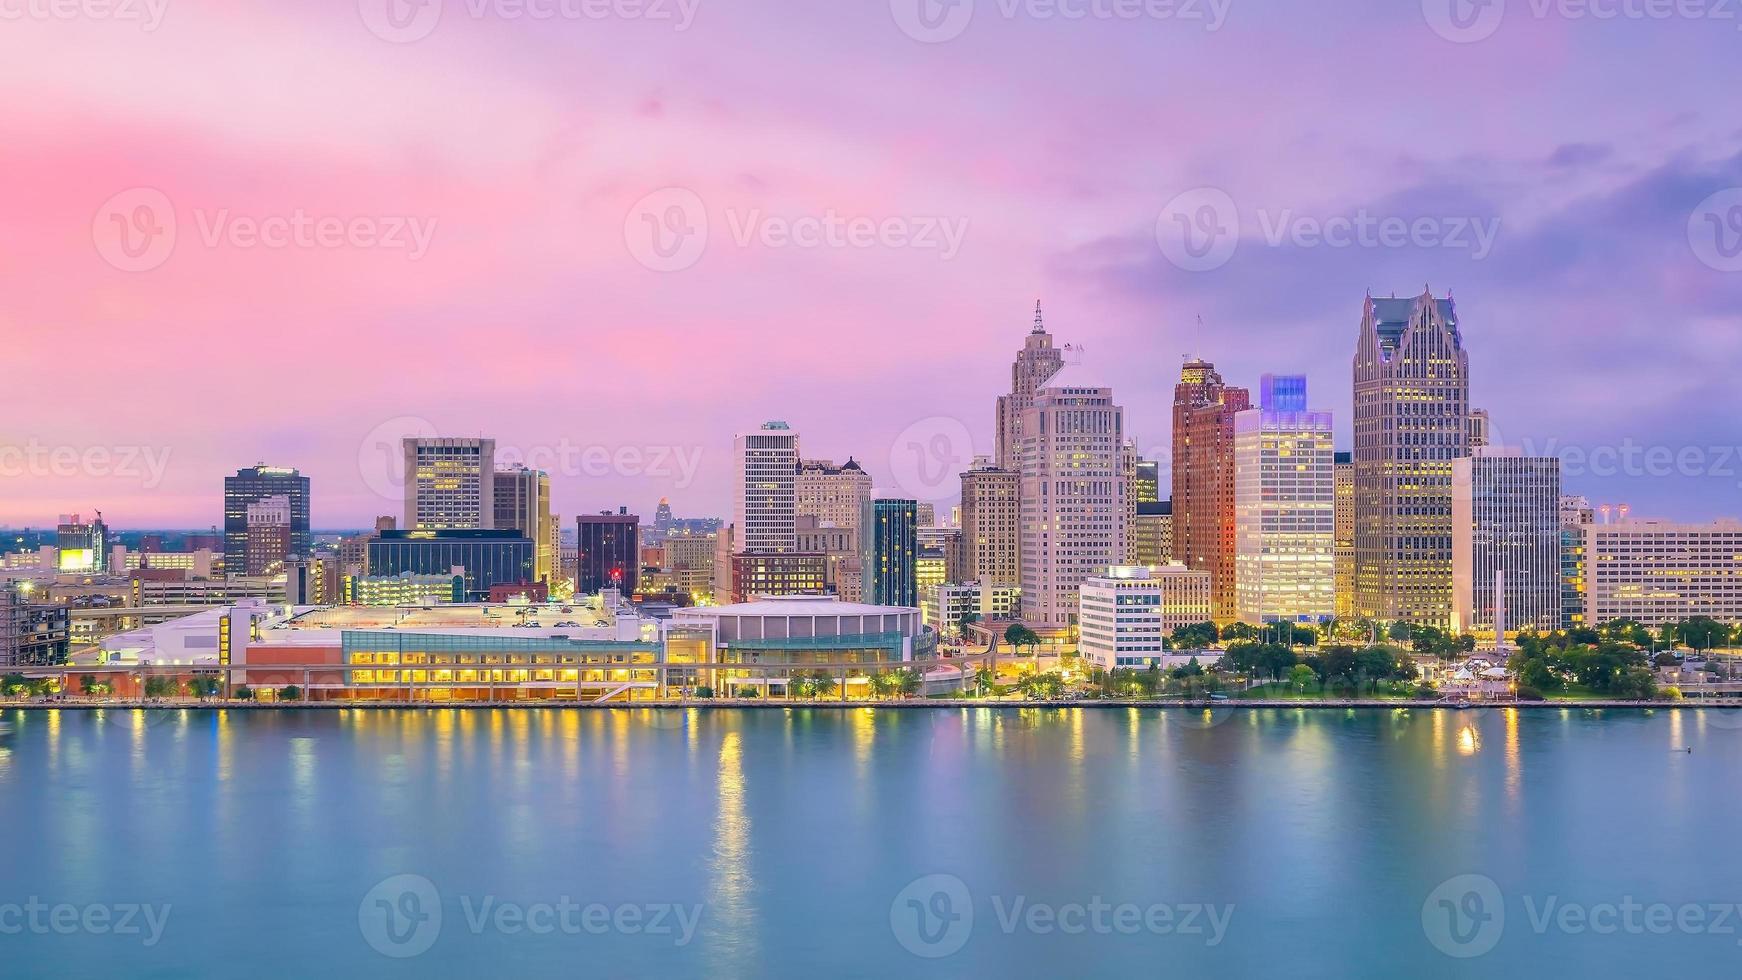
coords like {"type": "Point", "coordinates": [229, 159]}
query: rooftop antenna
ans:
{"type": "Point", "coordinates": [1039, 326]}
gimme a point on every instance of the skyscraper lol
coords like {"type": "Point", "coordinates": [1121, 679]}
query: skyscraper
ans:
{"type": "Point", "coordinates": [991, 524]}
{"type": "Point", "coordinates": [889, 548]}
{"type": "Point", "coordinates": [1576, 515]}
{"type": "Point", "coordinates": [1284, 508]}
{"type": "Point", "coordinates": [251, 484]}
{"type": "Point", "coordinates": [1035, 363]}
{"type": "Point", "coordinates": [1153, 530]}
{"type": "Point", "coordinates": [1412, 420]}
{"type": "Point", "coordinates": [1072, 494]}
{"type": "Point", "coordinates": [1345, 519]}
{"type": "Point", "coordinates": [268, 535]}
{"type": "Point", "coordinates": [834, 495]}
{"type": "Point", "coordinates": [450, 484]}
{"type": "Point", "coordinates": [1506, 522]}
{"type": "Point", "coordinates": [522, 503]}
{"type": "Point", "coordinates": [1203, 478]}
{"type": "Point", "coordinates": [610, 552]}
{"type": "Point", "coordinates": [765, 505]}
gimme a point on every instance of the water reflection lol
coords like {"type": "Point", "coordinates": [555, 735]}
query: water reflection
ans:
{"type": "Point", "coordinates": [731, 903]}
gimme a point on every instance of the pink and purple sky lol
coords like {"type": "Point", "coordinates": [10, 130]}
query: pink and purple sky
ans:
{"type": "Point", "coordinates": [482, 187]}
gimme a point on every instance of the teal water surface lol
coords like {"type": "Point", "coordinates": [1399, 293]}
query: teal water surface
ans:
{"type": "Point", "coordinates": [825, 842]}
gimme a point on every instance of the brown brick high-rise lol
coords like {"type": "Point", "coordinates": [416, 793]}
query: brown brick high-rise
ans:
{"type": "Point", "coordinates": [1203, 478]}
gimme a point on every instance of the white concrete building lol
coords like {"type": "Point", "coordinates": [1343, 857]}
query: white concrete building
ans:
{"type": "Point", "coordinates": [764, 489]}
{"type": "Point", "coordinates": [1285, 521]}
{"type": "Point", "coordinates": [1506, 522]}
{"type": "Point", "coordinates": [943, 606]}
{"type": "Point", "coordinates": [1073, 487]}
{"type": "Point", "coordinates": [1658, 572]}
{"type": "Point", "coordinates": [1128, 613]}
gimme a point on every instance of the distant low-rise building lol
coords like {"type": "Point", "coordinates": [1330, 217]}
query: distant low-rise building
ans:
{"type": "Point", "coordinates": [1656, 572]}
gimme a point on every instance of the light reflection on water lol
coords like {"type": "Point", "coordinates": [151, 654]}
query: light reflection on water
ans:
{"type": "Point", "coordinates": [796, 829]}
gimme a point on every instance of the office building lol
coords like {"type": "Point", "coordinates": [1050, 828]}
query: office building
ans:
{"type": "Point", "coordinates": [521, 502]}
{"type": "Point", "coordinates": [761, 575]}
{"type": "Point", "coordinates": [255, 483]}
{"type": "Point", "coordinates": [1072, 494]}
{"type": "Point", "coordinates": [689, 564]}
{"type": "Point", "coordinates": [946, 605]}
{"type": "Point", "coordinates": [269, 535]}
{"type": "Point", "coordinates": [81, 545]}
{"type": "Point", "coordinates": [1412, 412]}
{"type": "Point", "coordinates": [1203, 478]}
{"type": "Point", "coordinates": [1506, 534]}
{"type": "Point", "coordinates": [450, 484]}
{"type": "Point", "coordinates": [1576, 515]}
{"type": "Point", "coordinates": [1146, 482]}
{"type": "Point", "coordinates": [1657, 572]}
{"type": "Point", "coordinates": [833, 495]}
{"type": "Point", "coordinates": [1345, 520]}
{"type": "Point", "coordinates": [485, 556]}
{"type": "Point", "coordinates": [1152, 534]}
{"type": "Point", "coordinates": [1035, 363]}
{"type": "Point", "coordinates": [1129, 612]}
{"type": "Point", "coordinates": [765, 488]}
{"type": "Point", "coordinates": [610, 552]}
{"type": "Point", "coordinates": [1284, 508]}
{"type": "Point", "coordinates": [888, 549]}
{"type": "Point", "coordinates": [991, 524]}
{"type": "Point", "coordinates": [32, 634]}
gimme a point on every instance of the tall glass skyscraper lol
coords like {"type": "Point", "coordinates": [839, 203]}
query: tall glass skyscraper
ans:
{"type": "Point", "coordinates": [889, 552]}
{"type": "Point", "coordinates": [1412, 420]}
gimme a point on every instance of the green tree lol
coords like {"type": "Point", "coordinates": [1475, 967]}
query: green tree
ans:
{"type": "Point", "coordinates": [14, 685]}
{"type": "Point", "coordinates": [705, 692]}
{"type": "Point", "coordinates": [1195, 637]}
{"type": "Point", "coordinates": [203, 687]}
{"type": "Point", "coordinates": [291, 693]}
{"type": "Point", "coordinates": [823, 684]}
{"type": "Point", "coordinates": [985, 679]}
{"type": "Point", "coordinates": [244, 693]}
{"type": "Point", "coordinates": [160, 686]}
{"type": "Point", "coordinates": [908, 682]}
{"type": "Point", "coordinates": [882, 683]}
{"type": "Point", "coordinates": [92, 687]}
{"type": "Point", "coordinates": [1019, 636]}
{"type": "Point", "coordinates": [1301, 677]}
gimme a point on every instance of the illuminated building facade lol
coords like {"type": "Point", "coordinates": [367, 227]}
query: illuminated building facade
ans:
{"type": "Point", "coordinates": [610, 552]}
{"type": "Point", "coordinates": [1129, 612]}
{"type": "Point", "coordinates": [1506, 524]}
{"type": "Point", "coordinates": [1203, 478]}
{"type": "Point", "coordinates": [1412, 411]}
{"type": "Point", "coordinates": [450, 484]}
{"type": "Point", "coordinates": [488, 557]}
{"type": "Point", "coordinates": [1657, 572]}
{"type": "Point", "coordinates": [991, 524]}
{"type": "Point", "coordinates": [246, 487]}
{"type": "Point", "coordinates": [1284, 508]}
